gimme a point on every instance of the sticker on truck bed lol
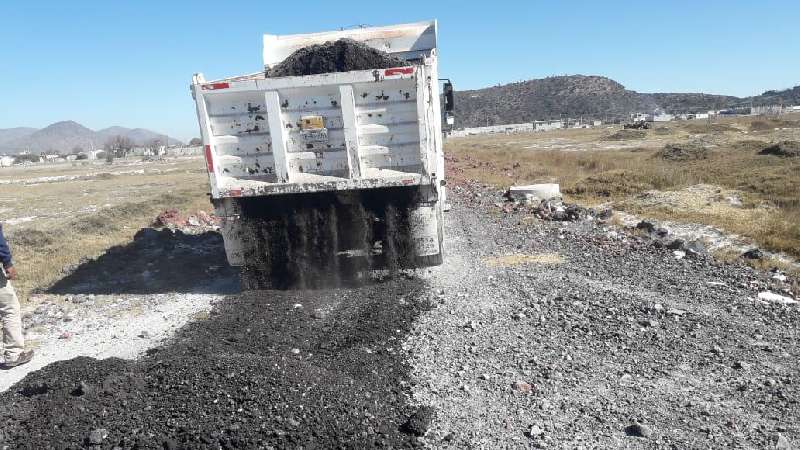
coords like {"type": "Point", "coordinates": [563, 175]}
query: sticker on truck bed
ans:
{"type": "Point", "coordinates": [312, 129]}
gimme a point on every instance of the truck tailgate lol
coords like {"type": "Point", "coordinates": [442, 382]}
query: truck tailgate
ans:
{"type": "Point", "coordinates": [337, 131]}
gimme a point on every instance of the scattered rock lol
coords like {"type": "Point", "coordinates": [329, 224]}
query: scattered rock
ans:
{"type": "Point", "coordinates": [695, 248]}
{"type": "Point", "coordinates": [535, 432]}
{"type": "Point", "coordinates": [144, 334]}
{"type": "Point", "coordinates": [776, 298]}
{"type": "Point", "coordinates": [638, 430]}
{"type": "Point", "coordinates": [645, 226]}
{"type": "Point", "coordinates": [781, 443]}
{"type": "Point", "coordinates": [96, 437]}
{"type": "Point", "coordinates": [676, 244]}
{"type": "Point", "coordinates": [753, 253]}
{"type": "Point", "coordinates": [420, 421]}
{"type": "Point", "coordinates": [741, 365]}
{"type": "Point", "coordinates": [521, 386]}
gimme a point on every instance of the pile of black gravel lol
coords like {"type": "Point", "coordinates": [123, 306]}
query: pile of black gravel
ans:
{"type": "Point", "coordinates": [310, 369]}
{"type": "Point", "coordinates": [343, 55]}
{"type": "Point", "coordinates": [784, 148]}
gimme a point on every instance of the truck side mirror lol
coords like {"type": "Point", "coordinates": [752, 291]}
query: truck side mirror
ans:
{"type": "Point", "coordinates": [449, 101]}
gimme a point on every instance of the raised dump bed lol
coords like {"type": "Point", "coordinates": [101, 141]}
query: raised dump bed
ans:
{"type": "Point", "coordinates": [337, 133]}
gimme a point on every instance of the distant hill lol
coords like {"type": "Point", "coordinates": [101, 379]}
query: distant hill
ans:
{"type": "Point", "coordinates": [65, 136]}
{"type": "Point", "coordinates": [590, 97]}
{"type": "Point", "coordinates": [786, 97]}
{"type": "Point", "coordinates": [9, 134]}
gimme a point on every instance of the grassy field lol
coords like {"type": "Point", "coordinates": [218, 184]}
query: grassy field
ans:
{"type": "Point", "coordinates": [56, 216]}
{"type": "Point", "coordinates": [605, 166]}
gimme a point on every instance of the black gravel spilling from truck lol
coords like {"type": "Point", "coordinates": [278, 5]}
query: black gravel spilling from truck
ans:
{"type": "Point", "coordinates": [328, 239]}
{"type": "Point", "coordinates": [270, 369]}
{"type": "Point", "coordinates": [343, 55]}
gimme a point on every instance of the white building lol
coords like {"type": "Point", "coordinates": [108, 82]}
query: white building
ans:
{"type": "Point", "coordinates": [6, 161]}
{"type": "Point", "coordinates": [547, 125]}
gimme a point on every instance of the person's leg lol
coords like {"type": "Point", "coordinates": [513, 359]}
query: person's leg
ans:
{"type": "Point", "coordinates": [12, 323]}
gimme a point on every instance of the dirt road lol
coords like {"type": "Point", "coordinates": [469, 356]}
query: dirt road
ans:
{"type": "Point", "coordinates": [533, 334]}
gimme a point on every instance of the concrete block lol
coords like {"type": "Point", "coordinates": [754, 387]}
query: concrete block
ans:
{"type": "Point", "coordinates": [534, 193]}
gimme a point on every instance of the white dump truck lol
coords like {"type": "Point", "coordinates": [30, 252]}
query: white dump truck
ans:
{"type": "Point", "coordinates": [337, 173]}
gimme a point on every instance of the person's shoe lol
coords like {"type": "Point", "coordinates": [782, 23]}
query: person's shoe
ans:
{"type": "Point", "coordinates": [23, 358]}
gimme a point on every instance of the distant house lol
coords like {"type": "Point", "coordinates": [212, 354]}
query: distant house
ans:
{"type": "Point", "coordinates": [6, 161]}
{"type": "Point", "coordinates": [663, 118]}
{"type": "Point", "coordinates": [547, 125]}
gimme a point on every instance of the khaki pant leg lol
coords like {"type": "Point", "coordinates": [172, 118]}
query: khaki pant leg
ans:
{"type": "Point", "coordinates": [12, 322]}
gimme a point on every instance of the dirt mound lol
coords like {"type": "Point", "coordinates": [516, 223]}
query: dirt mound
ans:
{"type": "Point", "coordinates": [624, 135]}
{"type": "Point", "coordinates": [784, 148]}
{"type": "Point", "coordinates": [683, 152]}
{"type": "Point", "coordinates": [343, 55]}
{"type": "Point", "coordinates": [662, 131]}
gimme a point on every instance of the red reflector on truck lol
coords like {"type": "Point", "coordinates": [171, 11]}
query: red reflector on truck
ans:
{"type": "Point", "coordinates": [215, 86]}
{"type": "Point", "coordinates": [235, 193]}
{"type": "Point", "coordinates": [398, 71]}
{"type": "Point", "coordinates": [209, 161]}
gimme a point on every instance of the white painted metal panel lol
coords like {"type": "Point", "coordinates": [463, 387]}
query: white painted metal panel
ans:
{"type": "Point", "coordinates": [371, 128]}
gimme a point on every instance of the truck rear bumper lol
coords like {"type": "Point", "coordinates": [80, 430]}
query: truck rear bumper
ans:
{"type": "Point", "coordinates": [310, 183]}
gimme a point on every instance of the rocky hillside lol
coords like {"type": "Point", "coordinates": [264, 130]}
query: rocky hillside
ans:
{"type": "Point", "coordinates": [66, 135]}
{"type": "Point", "coordinates": [548, 98]}
{"type": "Point", "coordinates": [786, 97]}
{"type": "Point", "coordinates": [589, 97]}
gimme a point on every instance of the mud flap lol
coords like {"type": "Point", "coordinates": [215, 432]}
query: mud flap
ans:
{"type": "Point", "coordinates": [427, 232]}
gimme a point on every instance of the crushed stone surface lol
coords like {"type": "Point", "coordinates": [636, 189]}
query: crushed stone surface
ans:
{"type": "Point", "coordinates": [621, 345]}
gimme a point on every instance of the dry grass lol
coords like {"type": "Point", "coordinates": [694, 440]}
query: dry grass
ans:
{"type": "Point", "coordinates": [547, 259]}
{"type": "Point", "coordinates": [590, 176]}
{"type": "Point", "coordinates": [65, 231]}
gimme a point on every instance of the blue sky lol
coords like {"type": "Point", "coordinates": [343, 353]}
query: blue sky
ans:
{"type": "Point", "coordinates": [129, 63]}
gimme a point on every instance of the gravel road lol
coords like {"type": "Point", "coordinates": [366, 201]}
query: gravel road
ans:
{"type": "Point", "coordinates": [533, 334]}
{"type": "Point", "coordinates": [589, 338]}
